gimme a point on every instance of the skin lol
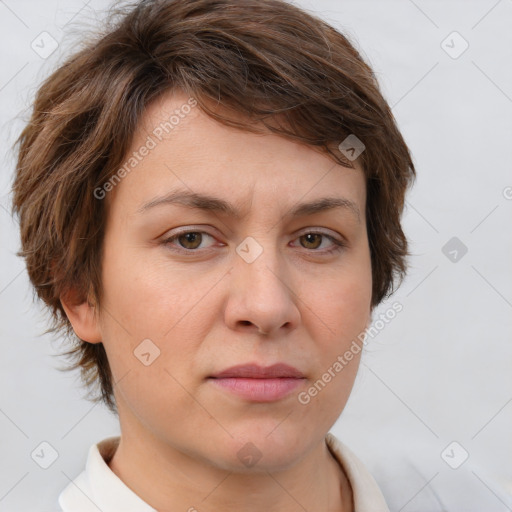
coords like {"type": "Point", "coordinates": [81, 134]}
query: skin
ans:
{"type": "Point", "coordinates": [204, 310]}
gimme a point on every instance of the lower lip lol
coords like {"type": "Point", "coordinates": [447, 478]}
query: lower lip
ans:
{"type": "Point", "coordinates": [259, 390]}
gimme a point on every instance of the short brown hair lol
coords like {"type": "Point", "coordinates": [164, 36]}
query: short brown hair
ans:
{"type": "Point", "coordinates": [268, 60]}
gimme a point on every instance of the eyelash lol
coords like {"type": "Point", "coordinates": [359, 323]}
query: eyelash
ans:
{"type": "Point", "coordinates": [338, 245]}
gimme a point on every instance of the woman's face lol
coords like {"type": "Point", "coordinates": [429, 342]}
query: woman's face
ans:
{"type": "Point", "coordinates": [179, 309]}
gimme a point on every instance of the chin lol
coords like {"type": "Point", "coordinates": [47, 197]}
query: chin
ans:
{"type": "Point", "coordinates": [265, 449]}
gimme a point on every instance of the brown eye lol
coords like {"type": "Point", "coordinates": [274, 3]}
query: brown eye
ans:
{"type": "Point", "coordinates": [190, 240]}
{"type": "Point", "coordinates": [321, 243]}
{"type": "Point", "coordinates": [312, 240]}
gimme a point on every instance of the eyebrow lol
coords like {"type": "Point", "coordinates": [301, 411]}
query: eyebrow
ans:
{"type": "Point", "coordinates": [214, 204]}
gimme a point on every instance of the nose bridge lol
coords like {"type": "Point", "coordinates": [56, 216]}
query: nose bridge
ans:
{"type": "Point", "coordinates": [260, 266]}
{"type": "Point", "coordinates": [260, 291]}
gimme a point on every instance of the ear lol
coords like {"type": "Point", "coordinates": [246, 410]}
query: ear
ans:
{"type": "Point", "coordinates": [82, 316]}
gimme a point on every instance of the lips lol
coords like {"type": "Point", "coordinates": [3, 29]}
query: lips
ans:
{"type": "Point", "coordinates": [253, 371]}
{"type": "Point", "coordinates": [255, 383]}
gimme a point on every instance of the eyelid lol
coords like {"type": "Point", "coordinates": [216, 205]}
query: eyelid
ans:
{"type": "Point", "coordinates": [320, 231]}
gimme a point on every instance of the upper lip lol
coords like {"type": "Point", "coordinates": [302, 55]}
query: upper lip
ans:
{"type": "Point", "coordinates": [255, 371]}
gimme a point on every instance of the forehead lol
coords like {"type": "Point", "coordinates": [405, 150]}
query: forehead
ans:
{"type": "Point", "coordinates": [178, 148]}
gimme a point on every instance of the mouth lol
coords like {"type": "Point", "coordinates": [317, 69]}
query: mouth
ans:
{"type": "Point", "coordinates": [257, 383]}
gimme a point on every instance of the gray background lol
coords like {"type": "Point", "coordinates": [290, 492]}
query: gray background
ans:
{"type": "Point", "coordinates": [439, 372]}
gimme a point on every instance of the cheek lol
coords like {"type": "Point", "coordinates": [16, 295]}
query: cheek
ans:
{"type": "Point", "coordinates": [149, 339]}
{"type": "Point", "coordinates": [145, 294]}
{"type": "Point", "coordinates": [342, 310]}
{"type": "Point", "coordinates": [343, 303]}
{"type": "Point", "coordinates": [141, 303]}
{"type": "Point", "coordinates": [341, 316]}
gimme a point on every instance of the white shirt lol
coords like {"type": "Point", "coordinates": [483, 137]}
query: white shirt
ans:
{"type": "Point", "coordinates": [98, 488]}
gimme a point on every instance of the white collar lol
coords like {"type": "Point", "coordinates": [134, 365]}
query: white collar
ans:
{"type": "Point", "coordinates": [99, 489]}
{"type": "Point", "coordinates": [366, 493]}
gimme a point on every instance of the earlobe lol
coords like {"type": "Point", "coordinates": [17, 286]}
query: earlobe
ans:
{"type": "Point", "coordinates": [82, 317]}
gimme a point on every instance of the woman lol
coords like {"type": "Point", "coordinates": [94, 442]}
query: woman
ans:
{"type": "Point", "coordinates": [209, 198]}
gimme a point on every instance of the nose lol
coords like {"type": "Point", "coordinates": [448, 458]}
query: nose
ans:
{"type": "Point", "coordinates": [261, 297]}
